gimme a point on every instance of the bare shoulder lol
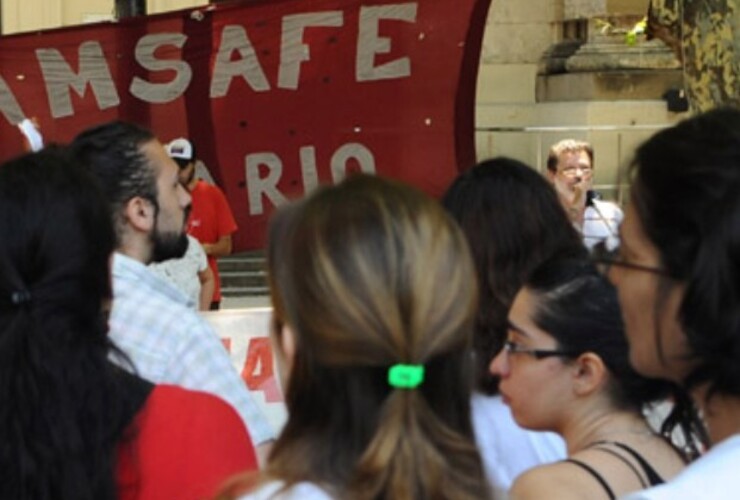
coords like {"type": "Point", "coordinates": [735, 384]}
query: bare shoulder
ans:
{"type": "Point", "coordinates": [558, 481]}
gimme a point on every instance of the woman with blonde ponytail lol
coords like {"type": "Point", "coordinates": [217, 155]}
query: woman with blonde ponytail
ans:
{"type": "Point", "coordinates": [374, 296]}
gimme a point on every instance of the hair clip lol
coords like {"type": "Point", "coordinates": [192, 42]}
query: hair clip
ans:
{"type": "Point", "coordinates": [403, 376]}
{"type": "Point", "coordinates": [20, 297]}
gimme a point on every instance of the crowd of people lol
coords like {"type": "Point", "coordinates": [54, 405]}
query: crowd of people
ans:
{"type": "Point", "coordinates": [520, 339]}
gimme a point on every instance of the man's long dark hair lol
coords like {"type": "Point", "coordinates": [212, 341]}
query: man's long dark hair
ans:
{"type": "Point", "coordinates": [64, 408]}
{"type": "Point", "coordinates": [112, 153]}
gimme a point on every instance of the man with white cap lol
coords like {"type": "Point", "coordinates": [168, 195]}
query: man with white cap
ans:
{"type": "Point", "coordinates": [570, 166]}
{"type": "Point", "coordinates": [211, 221]}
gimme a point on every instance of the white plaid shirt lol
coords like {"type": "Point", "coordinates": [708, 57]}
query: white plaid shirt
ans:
{"type": "Point", "coordinates": [169, 343]}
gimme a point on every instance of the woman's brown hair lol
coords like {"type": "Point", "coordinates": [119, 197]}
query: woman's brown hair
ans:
{"type": "Point", "coordinates": [369, 274]}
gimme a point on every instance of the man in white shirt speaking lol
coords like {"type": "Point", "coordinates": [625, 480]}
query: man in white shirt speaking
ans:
{"type": "Point", "coordinates": [570, 167]}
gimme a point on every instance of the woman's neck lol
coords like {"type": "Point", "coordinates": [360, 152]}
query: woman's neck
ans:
{"type": "Point", "coordinates": [721, 414]}
{"type": "Point", "coordinates": [612, 425]}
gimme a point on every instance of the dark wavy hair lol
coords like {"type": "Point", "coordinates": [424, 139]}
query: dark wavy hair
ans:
{"type": "Point", "coordinates": [513, 221]}
{"type": "Point", "coordinates": [112, 153]}
{"type": "Point", "coordinates": [579, 308]}
{"type": "Point", "coordinates": [64, 406]}
{"type": "Point", "coordinates": [685, 190]}
{"type": "Point", "coordinates": [368, 274]}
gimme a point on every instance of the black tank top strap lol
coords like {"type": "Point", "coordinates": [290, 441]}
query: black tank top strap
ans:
{"type": "Point", "coordinates": [595, 474]}
{"type": "Point", "coordinates": [601, 447]}
{"type": "Point", "coordinates": [651, 474]}
{"type": "Point", "coordinates": [653, 477]}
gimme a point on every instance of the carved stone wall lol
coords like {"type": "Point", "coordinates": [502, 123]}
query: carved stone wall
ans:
{"type": "Point", "coordinates": [608, 95]}
{"type": "Point", "coordinates": [597, 62]}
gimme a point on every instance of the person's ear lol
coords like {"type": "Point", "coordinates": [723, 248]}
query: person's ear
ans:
{"type": "Point", "coordinates": [283, 345]}
{"type": "Point", "coordinates": [589, 374]}
{"type": "Point", "coordinates": [287, 344]}
{"type": "Point", "coordinates": [140, 213]}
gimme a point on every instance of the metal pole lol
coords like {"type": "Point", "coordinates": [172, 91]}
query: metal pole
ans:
{"type": "Point", "coordinates": [130, 8]}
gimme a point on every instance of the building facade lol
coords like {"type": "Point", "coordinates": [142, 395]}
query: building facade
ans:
{"type": "Point", "coordinates": [549, 69]}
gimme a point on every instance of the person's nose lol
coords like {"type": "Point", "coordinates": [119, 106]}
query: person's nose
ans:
{"type": "Point", "coordinates": [499, 365]}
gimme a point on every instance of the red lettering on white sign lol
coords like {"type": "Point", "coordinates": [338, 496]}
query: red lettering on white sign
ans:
{"type": "Point", "coordinates": [258, 372]}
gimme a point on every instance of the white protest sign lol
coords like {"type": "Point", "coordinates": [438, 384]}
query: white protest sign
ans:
{"type": "Point", "coordinates": [246, 335]}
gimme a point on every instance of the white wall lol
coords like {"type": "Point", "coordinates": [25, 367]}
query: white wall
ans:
{"type": "Point", "coordinates": [509, 121]}
{"type": "Point", "coordinates": [156, 6]}
{"type": "Point", "coordinates": [31, 15]}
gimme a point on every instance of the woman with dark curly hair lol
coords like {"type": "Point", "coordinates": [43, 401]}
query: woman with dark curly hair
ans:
{"type": "Point", "coordinates": [678, 277]}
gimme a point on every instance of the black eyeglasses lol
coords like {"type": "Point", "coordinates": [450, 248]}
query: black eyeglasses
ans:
{"type": "Point", "coordinates": [604, 259]}
{"type": "Point", "coordinates": [514, 348]}
{"type": "Point", "coordinates": [573, 171]}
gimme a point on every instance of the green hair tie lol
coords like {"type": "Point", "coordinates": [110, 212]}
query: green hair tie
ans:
{"type": "Point", "coordinates": [403, 376]}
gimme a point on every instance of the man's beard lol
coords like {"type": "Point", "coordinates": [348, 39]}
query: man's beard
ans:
{"type": "Point", "coordinates": [168, 245]}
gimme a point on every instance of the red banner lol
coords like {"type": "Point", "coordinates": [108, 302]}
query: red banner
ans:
{"type": "Point", "coordinates": [278, 95]}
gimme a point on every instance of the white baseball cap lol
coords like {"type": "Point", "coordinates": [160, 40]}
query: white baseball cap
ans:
{"type": "Point", "coordinates": [180, 148]}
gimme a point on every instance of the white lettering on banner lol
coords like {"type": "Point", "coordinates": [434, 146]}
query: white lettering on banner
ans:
{"type": "Point", "coordinates": [308, 168]}
{"type": "Point", "coordinates": [266, 186]}
{"type": "Point", "coordinates": [258, 186]}
{"type": "Point", "coordinates": [292, 49]}
{"type": "Point", "coordinates": [160, 92]}
{"type": "Point", "coordinates": [93, 68]}
{"type": "Point", "coordinates": [370, 43]}
{"type": "Point", "coordinates": [59, 77]}
{"type": "Point", "coordinates": [354, 150]}
{"type": "Point", "coordinates": [9, 105]}
{"type": "Point", "coordinates": [248, 67]}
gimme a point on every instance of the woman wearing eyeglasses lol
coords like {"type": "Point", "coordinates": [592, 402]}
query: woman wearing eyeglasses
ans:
{"type": "Point", "coordinates": [678, 278]}
{"type": "Point", "coordinates": [565, 368]}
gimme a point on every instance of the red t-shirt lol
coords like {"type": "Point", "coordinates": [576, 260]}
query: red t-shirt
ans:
{"type": "Point", "coordinates": [186, 444]}
{"type": "Point", "coordinates": [210, 219]}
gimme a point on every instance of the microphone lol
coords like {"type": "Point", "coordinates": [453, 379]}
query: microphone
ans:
{"type": "Point", "coordinates": [591, 195]}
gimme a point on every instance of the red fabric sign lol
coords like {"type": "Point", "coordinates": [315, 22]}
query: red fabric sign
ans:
{"type": "Point", "coordinates": [278, 95]}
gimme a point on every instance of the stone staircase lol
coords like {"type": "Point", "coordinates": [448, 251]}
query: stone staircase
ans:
{"type": "Point", "coordinates": [243, 275]}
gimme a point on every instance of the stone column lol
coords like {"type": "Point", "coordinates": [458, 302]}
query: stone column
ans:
{"type": "Point", "coordinates": [595, 61]}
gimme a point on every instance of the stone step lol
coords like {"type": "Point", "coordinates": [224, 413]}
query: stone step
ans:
{"type": "Point", "coordinates": [243, 278]}
{"type": "Point", "coordinates": [243, 275]}
{"type": "Point", "coordinates": [236, 264]}
{"type": "Point", "coordinates": [245, 291]}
